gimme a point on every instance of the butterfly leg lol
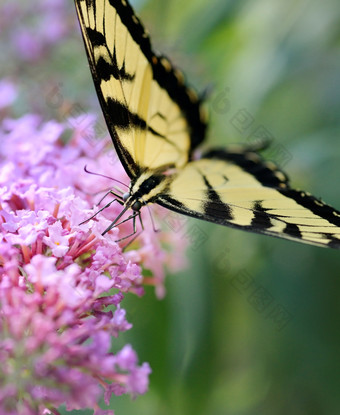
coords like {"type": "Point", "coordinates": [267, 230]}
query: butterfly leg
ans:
{"type": "Point", "coordinates": [114, 223]}
{"type": "Point", "coordinates": [152, 221]}
{"type": "Point", "coordinates": [111, 192]}
{"type": "Point", "coordinates": [100, 210]}
{"type": "Point", "coordinates": [141, 222]}
{"type": "Point", "coordinates": [134, 231]}
{"type": "Point", "coordinates": [133, 217]}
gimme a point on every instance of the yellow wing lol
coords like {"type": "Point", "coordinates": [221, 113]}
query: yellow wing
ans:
{"type": "Point", "coordinates": [153, 118]}
{"type": "Point", "coordinates": [237, 188]}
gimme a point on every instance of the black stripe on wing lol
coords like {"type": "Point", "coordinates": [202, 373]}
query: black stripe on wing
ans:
{"type": "Point", "coordinates": [265, 172]}
{"type": "Point", "coordinates": [124, 119]}
{"type": "Point", "coordinates": [291, 231]}
{"type": "Point", "coordinates": [94, 39]}
{"type": "Point", "coordinates": [168, 77]}
{"type": "Point", "coordinates": [264, 220]}
{"type": "Point", "coordinates": [318, 207]}
{"type": "Point", "coordinates": [213, 205]}
{"type": "Point", "coordinates": [104, 68]}
{"type": "Point", "coordinates": [261, 218]}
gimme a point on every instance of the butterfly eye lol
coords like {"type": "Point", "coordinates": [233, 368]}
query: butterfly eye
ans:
{"type": "Point", "coordinates": [136, 206]}
{"type": "Point", "coordinates": [126, 196]}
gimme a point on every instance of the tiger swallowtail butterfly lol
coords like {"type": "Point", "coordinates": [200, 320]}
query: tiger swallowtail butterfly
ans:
{"type": "Point", "coordinates": [156, 122]}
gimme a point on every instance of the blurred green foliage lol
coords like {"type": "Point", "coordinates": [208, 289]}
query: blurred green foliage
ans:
{"type": "Point", "coordinates": [252, 326]}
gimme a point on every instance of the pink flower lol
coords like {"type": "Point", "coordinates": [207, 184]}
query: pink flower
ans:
{"type": "Point", "coordinates": [57, 239]}
{"type": "Point", "coordinates": [137, 380]}
{"type": "Point", "coordinates": [61, 282]}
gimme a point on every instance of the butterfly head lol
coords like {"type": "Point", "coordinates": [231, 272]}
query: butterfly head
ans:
{"type": "Point", "coordinates": [144, 189]}
{"type": "Point", "coordinates": [134, 203]}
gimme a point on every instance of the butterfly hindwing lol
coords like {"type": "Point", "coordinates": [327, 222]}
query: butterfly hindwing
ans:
{"type": "Point", "coordinates": [237, 188]}
{"type": "Point", "coordinates": [153, 118]}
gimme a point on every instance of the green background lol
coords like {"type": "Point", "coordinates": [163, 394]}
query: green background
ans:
{"type": "Point", "coordinates": [252, 326]}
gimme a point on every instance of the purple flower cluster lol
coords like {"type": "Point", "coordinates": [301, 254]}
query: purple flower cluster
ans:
{"type": "Point", "coordinates": [61, 282]}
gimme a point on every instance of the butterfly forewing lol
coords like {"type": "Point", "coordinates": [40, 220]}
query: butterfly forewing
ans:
{"type": "Point", "coordinates": [150, 125]}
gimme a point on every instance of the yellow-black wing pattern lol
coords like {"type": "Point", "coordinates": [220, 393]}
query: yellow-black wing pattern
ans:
{"type": "Point", "coordinates": [237, 188]}
{"type": "Point", "coordinates": [153, 118]}
{"type": "Point", "coordinates": [156, 122]}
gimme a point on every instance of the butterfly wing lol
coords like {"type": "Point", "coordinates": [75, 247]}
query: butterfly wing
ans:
{"type": "Point", "coordinates": [153, 118]}
{"type": "Point", "coordinates": [237, 188]}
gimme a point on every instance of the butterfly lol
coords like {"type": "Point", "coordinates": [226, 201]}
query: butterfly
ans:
{"type": "Point", "coordinates": [157, 122]}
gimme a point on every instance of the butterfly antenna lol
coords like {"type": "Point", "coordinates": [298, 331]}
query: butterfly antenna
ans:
{"type": "Point", "coordinates": [103, 175]}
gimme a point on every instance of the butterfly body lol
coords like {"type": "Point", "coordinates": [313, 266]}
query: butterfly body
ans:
{"type": "Point", "coordinates": [156, 122]}
{"type": "Point", "coordinates": [146, 188]}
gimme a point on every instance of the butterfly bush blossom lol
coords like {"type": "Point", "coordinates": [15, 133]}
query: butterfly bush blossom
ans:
{"type": "Point", "coordinates": [61, 282]}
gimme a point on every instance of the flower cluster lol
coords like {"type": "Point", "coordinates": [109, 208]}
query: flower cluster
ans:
{"type": "Point", "coordinates": [61, 282]}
